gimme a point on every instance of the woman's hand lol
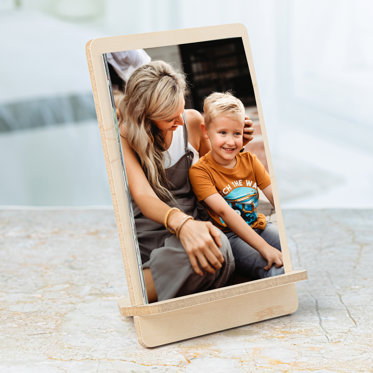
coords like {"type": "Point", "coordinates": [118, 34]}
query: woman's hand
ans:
{"type": "Point", "coordinates": [272, 256]}
{"type": "Point", "coordinates": [201, 241]}
{"type": "Point", "coordinates": [248, 131]}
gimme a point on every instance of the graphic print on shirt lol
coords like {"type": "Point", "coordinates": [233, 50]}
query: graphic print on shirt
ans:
{"type": "Point", "coordinates": [244, 201]}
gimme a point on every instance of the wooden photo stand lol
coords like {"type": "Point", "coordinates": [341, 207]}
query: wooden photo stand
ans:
{"type": "Point", "coordinates": [189, 316]}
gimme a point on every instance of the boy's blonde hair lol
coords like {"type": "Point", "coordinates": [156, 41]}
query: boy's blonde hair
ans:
{"type": "Point", "coordinates": [222, 104]}
{"type": "Point", "coordinates": [152, 92]}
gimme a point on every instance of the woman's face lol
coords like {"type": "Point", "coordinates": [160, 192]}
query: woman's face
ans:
{"type": "Point", "coordinates": [175, 120]}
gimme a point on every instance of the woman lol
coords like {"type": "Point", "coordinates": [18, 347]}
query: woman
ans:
{"type": "Point", "coordinates": [180, 254]}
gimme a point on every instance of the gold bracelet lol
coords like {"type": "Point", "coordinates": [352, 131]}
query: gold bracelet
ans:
{"type": "Point", "coordinates": [166, 219]}
{"type": "Point", "coordinates": [178, 229]}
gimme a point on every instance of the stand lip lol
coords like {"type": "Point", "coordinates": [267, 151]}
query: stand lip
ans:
{"type": "Point", "coordinates": [233, 291]}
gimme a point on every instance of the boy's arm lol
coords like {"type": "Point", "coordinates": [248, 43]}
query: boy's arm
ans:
{"type": "Point", "coordinates": [235, 222]}
{"type": "Point", "coordinates": [268, 193]}
{"type": "Point", "coordinates": [262, 178]}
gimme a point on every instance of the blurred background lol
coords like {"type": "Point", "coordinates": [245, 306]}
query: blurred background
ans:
{"type": "Point", "coordinates": [314, 67]}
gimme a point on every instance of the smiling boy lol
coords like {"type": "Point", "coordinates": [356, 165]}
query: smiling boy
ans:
{"type": "Point", "coordinates": [227, 182]}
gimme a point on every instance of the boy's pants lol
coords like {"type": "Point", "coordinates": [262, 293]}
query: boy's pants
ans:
{"type": "Point", "coordinates": [249, 262]}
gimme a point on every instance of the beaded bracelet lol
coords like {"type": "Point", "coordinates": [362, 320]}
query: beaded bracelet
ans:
{"type": "Point", "coordinates": [178, 229]}
{"type": "Point", "coordinates": [166, 219]}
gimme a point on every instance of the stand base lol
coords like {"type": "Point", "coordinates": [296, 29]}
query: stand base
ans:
{"type": "Point", "coordinates": [198, 314]}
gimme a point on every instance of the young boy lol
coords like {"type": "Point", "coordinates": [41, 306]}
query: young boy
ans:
{"type": "Point", "coordinates": [227, 182]}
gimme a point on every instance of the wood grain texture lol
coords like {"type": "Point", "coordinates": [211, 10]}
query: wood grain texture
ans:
{"type": "Point", "coordinates": [217, 315]}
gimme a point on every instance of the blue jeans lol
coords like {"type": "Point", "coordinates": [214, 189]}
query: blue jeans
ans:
{"type": "Point", "coordinates": [249, 262]}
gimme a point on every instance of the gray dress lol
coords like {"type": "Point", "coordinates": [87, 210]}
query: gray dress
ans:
{"type": "Point", "coordinates": [164, 254]}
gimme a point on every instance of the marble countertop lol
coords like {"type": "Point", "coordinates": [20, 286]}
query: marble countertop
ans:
{"type": "Point", "coordinates": [61, 274]}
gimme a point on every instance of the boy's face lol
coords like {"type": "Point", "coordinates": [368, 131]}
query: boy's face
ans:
{"type": "Point", "coordinates": [226, 137]}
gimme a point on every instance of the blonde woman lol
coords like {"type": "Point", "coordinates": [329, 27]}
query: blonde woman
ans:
{"type": "Point", "coordinates": [181, 253]}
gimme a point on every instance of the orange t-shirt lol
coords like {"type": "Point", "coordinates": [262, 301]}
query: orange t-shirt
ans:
{"type": "Point", "coordinates": [238, 186]}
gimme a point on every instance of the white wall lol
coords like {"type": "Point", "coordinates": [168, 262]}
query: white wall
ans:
{"type": "Point", "coordinates": [314, 66]}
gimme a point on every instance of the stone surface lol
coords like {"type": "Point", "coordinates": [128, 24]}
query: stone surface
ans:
{"type": "Point", "coordinates": [61, 274]}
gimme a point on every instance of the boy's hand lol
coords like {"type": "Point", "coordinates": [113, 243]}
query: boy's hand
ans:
{"type": "Point", "coordinates": [272, 256]}
{"type": "Point", "coordinates": [248, 131]}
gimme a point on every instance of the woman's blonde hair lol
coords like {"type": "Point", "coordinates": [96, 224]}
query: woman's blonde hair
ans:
{"type": "Point", "coordinates": [152, 92]}
{"type": "Point", "coordinates": [222, 104]}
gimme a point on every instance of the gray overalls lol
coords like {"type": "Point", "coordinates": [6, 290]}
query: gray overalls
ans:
{"type": "Point", "coordinates": [164, 254]}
